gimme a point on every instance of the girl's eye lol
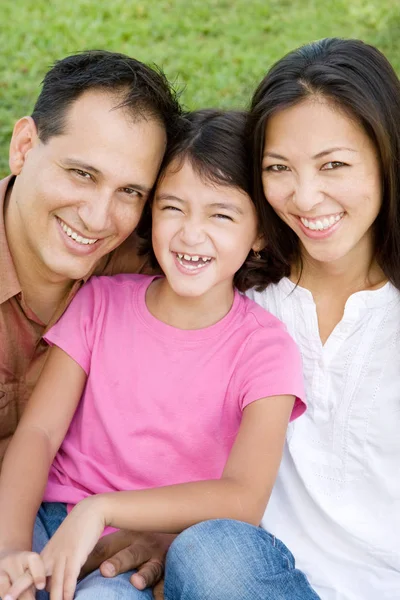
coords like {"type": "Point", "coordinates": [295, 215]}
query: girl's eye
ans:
{"type": "Point", "coordinates": [277, 168]}
{"type": "Point", "coordinates": [223, 217]}
{"type": "Point", "coordinates": [172, 208]}
{"type": "Point", "coordinates": [334, 164]}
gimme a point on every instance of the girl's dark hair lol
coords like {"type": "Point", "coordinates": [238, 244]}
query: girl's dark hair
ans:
{"type": "Point", "coordinates": [358, 79]}
{"type": "Point", "coordinates": [215, 144]}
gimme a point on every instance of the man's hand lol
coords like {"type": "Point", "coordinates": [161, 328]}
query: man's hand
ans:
{"type": "Point", "coordinates": [125, 550]}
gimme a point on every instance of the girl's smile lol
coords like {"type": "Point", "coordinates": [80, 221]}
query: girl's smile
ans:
{"type": "Point", "coordinates": [202, 233]}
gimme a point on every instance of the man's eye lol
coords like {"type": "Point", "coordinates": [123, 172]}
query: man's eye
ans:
{"type": "Point", "coordinates": [83, 174]}
{"type": "Point", "coordinates": [333, 164]}
{"type": "Point", "coordinates": [132, 192]}
{"type": "Point", "coordinates": [277, 168]}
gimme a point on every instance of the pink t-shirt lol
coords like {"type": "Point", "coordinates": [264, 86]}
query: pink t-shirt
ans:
{"type": "Point", "coordinates": [161, 405]}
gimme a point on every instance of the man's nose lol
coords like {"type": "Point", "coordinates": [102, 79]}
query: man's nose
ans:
{"type": "Point", "coordinates": [95, 212]}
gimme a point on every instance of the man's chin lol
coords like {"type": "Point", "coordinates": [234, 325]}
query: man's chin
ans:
{"type": "Point", "coordinates": [72, 272]}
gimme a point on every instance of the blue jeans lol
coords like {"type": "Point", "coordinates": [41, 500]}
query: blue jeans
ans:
{"type": "Point", "coordinates": [93, 586]}
{"type": "Point", "coordinates": [229, 560]}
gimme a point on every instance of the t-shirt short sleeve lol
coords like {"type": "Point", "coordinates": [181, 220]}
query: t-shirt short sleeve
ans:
{"type": "Point", "coordinates": [76, 329]}
{"type": "Point", "coordinates": [271, 366]}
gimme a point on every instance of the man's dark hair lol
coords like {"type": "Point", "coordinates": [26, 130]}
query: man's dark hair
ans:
{"type": "Point", "coordinates": [139, 89]}
{"type": "Point", "coordinates": [214, 142]}
{"type": "Point", "coordinates": [357, 79]}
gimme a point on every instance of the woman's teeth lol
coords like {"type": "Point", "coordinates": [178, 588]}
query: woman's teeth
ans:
{"type": "Point", "coordinates": [74, 235]}
{"type": "Point", "coordinates": [197, 262]}
{"type": "Point", "coordinates": [321, 224]}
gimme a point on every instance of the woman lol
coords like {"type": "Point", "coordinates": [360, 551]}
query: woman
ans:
{"type": "Point", "coordinates": [325, 123]}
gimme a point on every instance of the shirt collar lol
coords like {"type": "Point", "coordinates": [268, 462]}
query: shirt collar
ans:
{"type": "Point", "coordinates": [10, 285]}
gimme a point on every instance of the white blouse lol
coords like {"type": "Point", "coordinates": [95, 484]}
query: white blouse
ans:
{"type": "Point", "coordinates": [336, 503]}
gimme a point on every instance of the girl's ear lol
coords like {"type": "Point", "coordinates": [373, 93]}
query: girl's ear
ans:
{"type": "Point", "coordinates": [24, 138]}
{"type": "Point", "coordinates": [259, 244]}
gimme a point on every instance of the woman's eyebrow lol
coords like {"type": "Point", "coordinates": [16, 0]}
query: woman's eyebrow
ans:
{"type": "Point", "coordinates": [334, 149]}
{"type": "Point", "coordinates": [318, 155]}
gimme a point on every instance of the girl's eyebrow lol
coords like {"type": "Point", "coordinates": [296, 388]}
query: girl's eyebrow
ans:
{"type": "Point", "coordinates": [160, 197]}
{"type": "Point", "coordinates": [227, 206]}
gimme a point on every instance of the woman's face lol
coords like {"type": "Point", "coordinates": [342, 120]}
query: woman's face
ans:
{"type": "Point", "coordinates": [321, 175]}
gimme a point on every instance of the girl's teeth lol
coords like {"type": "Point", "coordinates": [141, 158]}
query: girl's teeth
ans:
{"type": "Point", "coordinates": [198, 261]}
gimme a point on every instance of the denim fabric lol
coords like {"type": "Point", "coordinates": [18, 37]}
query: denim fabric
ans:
{"type": "Point", "coordinates": [94, 586]}
{"type": "Point", "coordinates": [229, 560]}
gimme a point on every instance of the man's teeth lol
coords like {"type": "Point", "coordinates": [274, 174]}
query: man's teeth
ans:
{"type": "Point", "coordinates": [321, 224]}
{"type": "Point", "coordinates": [200, 260]}
{"type": "Point", "coordinates": [74, 235]}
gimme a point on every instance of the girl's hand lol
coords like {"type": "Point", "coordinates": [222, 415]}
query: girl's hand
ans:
{"type": "Point", "coordinates": [67, 551]}
{"type": "Point", "coordinates": [16, 563]}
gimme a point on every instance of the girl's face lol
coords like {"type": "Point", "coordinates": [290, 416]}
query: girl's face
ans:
{"type": "Point", "coordinates": [321, 175]}
{"type": "Point", "coordinates": [202, 232]}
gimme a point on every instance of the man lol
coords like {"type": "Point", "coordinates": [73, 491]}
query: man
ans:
{"type": "Point", "coordinates": [82, 168]}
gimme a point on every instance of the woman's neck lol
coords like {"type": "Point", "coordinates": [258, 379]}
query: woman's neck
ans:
{"type": "Point", "coordinates": [185, 312]}
{"type": "Point", "coordinates": [356, 271]}
{"type": "Point", "coordinates": [331, 284]}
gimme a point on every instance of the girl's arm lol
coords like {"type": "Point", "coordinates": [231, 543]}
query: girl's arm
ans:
{"type": "Point", "coordinates": [242, 493]}
{"type": "Point", "coordinates": [29, 456]}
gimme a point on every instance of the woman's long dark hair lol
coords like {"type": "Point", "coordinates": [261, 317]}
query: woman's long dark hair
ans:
{"type": "Point", "coordinates": [359, 80]}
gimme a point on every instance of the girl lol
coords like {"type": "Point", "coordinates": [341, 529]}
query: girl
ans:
{"type": "Point", "coordinates": [169, 392]}
{"type": "Point", "coordinates": [325, 124]}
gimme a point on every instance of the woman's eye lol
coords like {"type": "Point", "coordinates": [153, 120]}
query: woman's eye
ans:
{"type": "Point", "coordinates": [277, 168]}
{"type": "Point", "coordinates": [334, 164]}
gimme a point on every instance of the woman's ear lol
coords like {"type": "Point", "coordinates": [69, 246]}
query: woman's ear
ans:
{"type": "Point", "coordinates": [24, 138]}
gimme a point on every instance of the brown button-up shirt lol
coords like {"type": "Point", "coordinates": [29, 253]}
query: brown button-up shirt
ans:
{"type": "Point", "coordinates": [22, 349]}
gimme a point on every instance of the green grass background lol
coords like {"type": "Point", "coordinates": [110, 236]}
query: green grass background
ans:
{"type": "Point", "coordinates": [215, 50]}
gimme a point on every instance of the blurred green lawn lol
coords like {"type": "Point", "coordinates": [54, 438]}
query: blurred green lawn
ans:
{"type": "Point", "coordinates": [215, 50]}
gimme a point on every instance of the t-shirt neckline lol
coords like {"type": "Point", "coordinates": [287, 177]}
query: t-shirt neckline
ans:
{"type": "Point", "coordinates": [169, 332]}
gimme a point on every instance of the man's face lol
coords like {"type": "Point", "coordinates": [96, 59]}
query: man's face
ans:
{"type": "Point", "coordinates": [80, 194]}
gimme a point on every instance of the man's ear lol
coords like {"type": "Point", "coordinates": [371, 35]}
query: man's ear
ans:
{"type": "Point", "coordinates": [24, 138]}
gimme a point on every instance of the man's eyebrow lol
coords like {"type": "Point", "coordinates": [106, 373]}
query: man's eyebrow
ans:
{"type": "Point", "coordinates": [319, 155]}
{"type": "Point", "coordinates": [77, 164]}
